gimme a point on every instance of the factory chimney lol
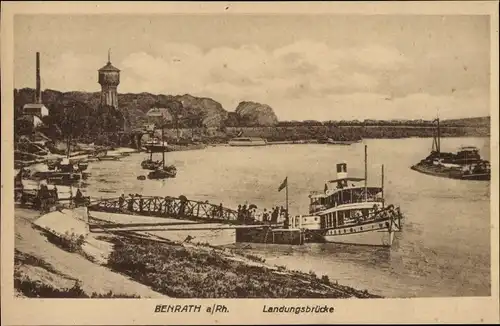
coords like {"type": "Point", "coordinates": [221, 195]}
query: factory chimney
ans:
{"type": "Point", "coordinates": [38, 94]}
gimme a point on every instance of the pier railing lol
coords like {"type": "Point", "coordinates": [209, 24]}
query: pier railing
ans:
{"type": "Point", "coordinates": [168, 207]}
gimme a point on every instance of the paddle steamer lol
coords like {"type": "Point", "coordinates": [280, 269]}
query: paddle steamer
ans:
{"type": "Point", "coordinates": [348, 212]}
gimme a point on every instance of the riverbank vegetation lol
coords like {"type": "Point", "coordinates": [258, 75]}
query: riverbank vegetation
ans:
{"type": "Point", "coordinates": [184, 271]}
{"type": "Point", "coordinates": [174, 269]}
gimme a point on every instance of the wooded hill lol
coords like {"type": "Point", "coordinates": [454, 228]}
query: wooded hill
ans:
{"type": "Point", "coordinates": [79, 114]}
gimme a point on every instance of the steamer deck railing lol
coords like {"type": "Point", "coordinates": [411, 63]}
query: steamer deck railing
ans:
{"type": "Point", "coordinates": [167, 207]}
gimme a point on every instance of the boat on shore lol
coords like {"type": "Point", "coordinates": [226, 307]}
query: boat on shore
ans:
{"type": "Point", "coordinates": [330, 141]}
{"type": "Point", "coordinates": [465, 164]}
{"type": "Point", "coordinates": [247, 141]}
{"type": "Point", "coordinates": [107, 156]}
{"type": "Point", "coordinates": [61, 171]}
{"type": "Point", "coordinates": [347, 212]}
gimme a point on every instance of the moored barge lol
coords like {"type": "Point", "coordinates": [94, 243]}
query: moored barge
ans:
{"type": "Point", "coordinates": [465, 164]}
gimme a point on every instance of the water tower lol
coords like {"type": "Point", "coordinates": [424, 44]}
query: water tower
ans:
{"type": "Point", "coordinates": [109, 78]}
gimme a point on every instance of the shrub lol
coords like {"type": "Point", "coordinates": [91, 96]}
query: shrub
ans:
{"type": "Point", "coordinates": [37, 289]}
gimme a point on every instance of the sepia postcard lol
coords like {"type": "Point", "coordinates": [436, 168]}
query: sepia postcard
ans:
{"type": "Point", "coordinates": [194, 163]}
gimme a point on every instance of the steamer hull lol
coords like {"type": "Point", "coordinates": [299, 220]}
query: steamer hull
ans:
{"type": "Point", "coordinates": [373, 234]}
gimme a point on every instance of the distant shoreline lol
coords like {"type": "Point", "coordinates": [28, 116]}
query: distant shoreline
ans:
{"type": "Point", "coordinates": [203, 145]}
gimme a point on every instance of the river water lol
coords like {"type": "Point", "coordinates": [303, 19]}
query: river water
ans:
{"type": "Point", "coordinates": [444, 249]}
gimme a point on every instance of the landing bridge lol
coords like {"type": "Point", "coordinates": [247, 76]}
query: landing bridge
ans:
{"type": "Point", "coordinates": [183, 209]}
{"type": "Point", "coordinates": [168, 207]}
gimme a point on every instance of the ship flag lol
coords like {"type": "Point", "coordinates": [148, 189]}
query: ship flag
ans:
{"type": "Point", "coordinates": [283, 184]}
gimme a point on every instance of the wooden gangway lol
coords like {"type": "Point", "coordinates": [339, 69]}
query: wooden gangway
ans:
{"type": "Point", "coordinates": [247, 229]}
{"type": "Point", "coordinates": [168, 207]}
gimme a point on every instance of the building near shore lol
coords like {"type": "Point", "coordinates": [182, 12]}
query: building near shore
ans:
{"type": "Point", "coordinates": [157, 116]}
{"type": "Point", "coordinates": [33, 112]}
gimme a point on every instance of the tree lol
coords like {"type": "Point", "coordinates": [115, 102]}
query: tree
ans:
{"type": "Point", "coordinates": [23, 127]}
{"type": "Point", "coordinates": [71, 117]}
{"type": "Point", "coordinates": [232, 120]}
{"type": "Point", "coordinates": [109, 119]}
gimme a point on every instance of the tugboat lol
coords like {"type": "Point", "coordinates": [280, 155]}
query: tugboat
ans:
{"type": "Point", "coordinates": [466, 164]}
{"type": "Point", "coordinates": [349, 213]}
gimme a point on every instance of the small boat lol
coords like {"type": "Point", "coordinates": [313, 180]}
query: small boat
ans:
{"type": "Point", "coordinates": [349, 213]}
{"type": "Point", "coordinates": [163, 173]}
{"type": "Point", "coordinates": [109, 157]}
{"type": "Point", "coordinates": [247, 141]}
{"type": "Point", "coordinates": [341, 142]}
{"type": "Point", "coordinates": [331, 141]}
{"type": "Point", "coordinates": [151, 165]}
{"type": "Point", "coordinates": [104, 155]}
{"type": "Point", "coordinates": [61, 173]}
{"type": "Point", "coordinates": [465, 164]}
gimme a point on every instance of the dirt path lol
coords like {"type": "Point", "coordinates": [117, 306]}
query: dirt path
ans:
{"type": "Point", "coordinates": [93, 277]}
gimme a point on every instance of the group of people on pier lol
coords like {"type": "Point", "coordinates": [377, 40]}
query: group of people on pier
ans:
{"type": "Point", "coordinates": [44, 198]}
{"type": "Point", "coordinates": [162, 206]}
{"type": "Point", "coordinates": [251, 214]}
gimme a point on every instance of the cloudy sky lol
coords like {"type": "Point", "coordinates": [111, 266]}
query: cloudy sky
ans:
{"type": "Point", "coordinates": [305, 67]}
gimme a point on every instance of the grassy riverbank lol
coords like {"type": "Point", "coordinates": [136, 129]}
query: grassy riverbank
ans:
{"type": "Point", "coordinates": [197, 271]}
{"type": "Point", "coordinates": [138, 266]}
